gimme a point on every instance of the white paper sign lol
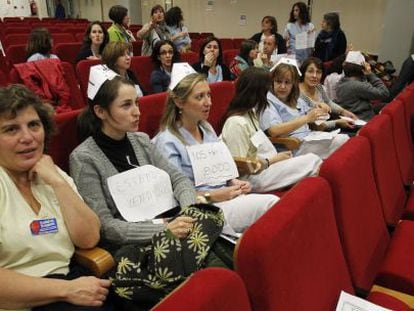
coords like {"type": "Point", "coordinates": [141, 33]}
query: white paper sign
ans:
{"type": "Point", "coordinates": [212, 163]}
{"type": "Point", "coordinates": [357, 122]}
{"type": "Point", "coordinates": [349, 302]}
{"type": "Point", "coordinates": [141, 193]}
{"type": "Point", "coordinates": [316, 135]}
{"type": "Point", "coordinates": [305, 40]}
{"type": "Point", "coordinates": [264, 146]}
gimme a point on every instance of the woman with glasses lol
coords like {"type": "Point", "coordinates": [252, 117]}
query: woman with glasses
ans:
{"type": "Point", "coordinates": [163, 56]}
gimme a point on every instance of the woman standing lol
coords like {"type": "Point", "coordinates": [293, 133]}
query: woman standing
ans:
{"type": "Point", "coordinates": [164, 55]}
{"type": "Point", "coordinates": [269, 27]}
{"type": "Point", "coordinates": [299, 22]}
{"type": "Point", "coordinates": [153, 31]}
{"type": "Point", "coordinates": [242, 135]}
{"type": "Point", "coordinates": [94, 41]}
{"type": "Point", "coordinates": [211, 61]}
{"type": "Point", "coordinates": [119, 29]}
{"type": "Point", "coordinates": [184, 124]}
{"type": "Point", "coordinates": [117, 56]}
{"type": "Point", "coordinates": [178, 32]}
{"type": "Point", "coordinates": [331, 41]}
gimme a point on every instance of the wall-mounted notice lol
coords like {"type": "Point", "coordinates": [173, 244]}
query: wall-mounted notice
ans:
{"type": "Point", "coordinates": [243, 20]}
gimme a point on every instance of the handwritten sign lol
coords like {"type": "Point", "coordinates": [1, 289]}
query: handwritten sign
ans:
{"type": "Point", "coordinates": [305, 40]}
{"type": "Point", "coordinates": [349, 302]}
{"type": "Point", "coordinates": [212, 163]}
{"type": "Point", "coordinates": [141, 193]}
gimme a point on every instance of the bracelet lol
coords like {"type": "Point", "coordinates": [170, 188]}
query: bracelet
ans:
{"type": "Point", "coordinates": [267, 162]}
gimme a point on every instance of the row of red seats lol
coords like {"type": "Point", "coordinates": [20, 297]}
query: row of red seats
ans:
{"type": "Point", "coordinates": [327, 234]}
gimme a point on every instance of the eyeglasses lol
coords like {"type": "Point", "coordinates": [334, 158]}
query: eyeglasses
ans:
{"type": "Point", "coordinates": [171, 52]}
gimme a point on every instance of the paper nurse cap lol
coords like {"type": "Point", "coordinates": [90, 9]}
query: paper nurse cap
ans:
{"type": "Point", "coordinates": [287, 61]}
{"type": "Point", "coordinates": [97, 76]}
{"type": "Point", "coordinates": [355, 57]}
{"type": "Point", "coordinates": [179, 72]}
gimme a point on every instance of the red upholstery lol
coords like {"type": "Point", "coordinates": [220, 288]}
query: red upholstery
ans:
{"type": "Point", "coordinates": [79, 36]}
{"type": "Point", "coordinates": [386, 301]}
{"type": "Point", "coordinates": [136, 47]}
{"type": "Point", "coordinates": [361, 224]}
{"type": "Point", "coordinates": [204, 35]}
{"type": "Point", "coordinates": [189, 57]}
{"type": "Point", "coordinates": [357, 207]}
{"type": "Point", "coordinates": [3, 64]}
{"type": "Point", "coordinates": [4, 80]}
{"type": "Point", "coordinates": [221, 95]}
{"type": "Point", "coordinates": [402, 139]}
{"type": "Point", "coordinates": [142, 67]}
{"type": "Point", "coordinates": [16, 54]}
{"type": "Point", "coordinates": [65, 140]}
{"type": "Point", "coordinates": [194, 35]}
{"type": "Point", "coordinates": [76, 100]}
{"type": "Point", "coordinates": [226, 44]}
{"type": "Point", "coordinates": [229, 55]}
{"type": "Point", "coordinates": [209, 289]}
{"type": "Point", "coordinates": [386, 169]}
{"type": "Point", "coordinates": [67, 52]}
{"type": "Point", "coordinates": [407, 96]}
{"type": "Point", "coordinates": [151, 108]}
{"type": "Point", "coordinates": [196, 44]}
{"type": "Point", "coordinates": [62, 38]}
{"type": "Point", "coordinates": [15, 30]}
{"type": "Point", "coordinates": [237, 43]}
{"type": "Point", "coordinates": [14, 39]}
{"type": "Point", "coordinates": [82, 73]}
{"type": "Point", "coordinates": [291, 258]}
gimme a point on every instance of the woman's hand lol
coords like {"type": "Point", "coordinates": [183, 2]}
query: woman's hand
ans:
{"type": "Point", "coordinates": [366, 68]}
{"type": "Point", "coordinates": [225, 193]}
{"type": "Point", "coordinates": [325, 107]}
{"type": "Point", "coordinates": [349, 114]}
{"type": "Point", "coordinates": [284, 155]}
{"type": "Point", "coordinates": [181, 226]}
{"type": "Point", "coordinates": [46, 170]}
{"type": "Point", "coordinates": [344, 123]}
{"type": "Point", "coordinates": [87, 291]}
{"type": "Point", "coordinates": [245, 186]}
{"type": "Point", "coordinates": [314, 114]}
{"type": "Point", "coordinates": [209, 59]}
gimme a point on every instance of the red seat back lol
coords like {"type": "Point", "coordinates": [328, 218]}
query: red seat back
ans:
{"type": "Point", "coordinates": [67, 52]}
{"type": "Point", "coordinates": [229, 55]}
{"type": "Point", "coordinates": [386, 169]}
{"type": "Point", "coordinates": [402, 139]}
{"type": "Point", "coordinates": [151, 107]}
{"type": "Point", "coordinates": [291, 258]}
{"type": "Point", "coordinates": [237, 43]}
{"type": "Point", "coordinates": [136, 47]}
{"type": "Point", "coordinates": [82, 73]}
{"type": "Point", "coordinates": [189, 57]}
{"type": "Point", "coordinates": [209, 289]}
{"type": "Point", "coordinates": [142, 67]}
{"type": "Point", "coordinates": [221, 95]}
{"type": "Point", "coordinates": [357, 206]}
{"type": "Point", "coordinates": [15, 39]}
{"type": "Point", "coordinates": [16, 54]}
{"type": "Point", "coordinates": [66, 139]}
{"type": "Point", "coordinates": [226, 44]}
{"type": "Point", "coordinates": [62, 38]}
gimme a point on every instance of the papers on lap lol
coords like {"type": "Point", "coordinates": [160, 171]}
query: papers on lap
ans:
{"type": "Point", "coordinates": [349, 302]}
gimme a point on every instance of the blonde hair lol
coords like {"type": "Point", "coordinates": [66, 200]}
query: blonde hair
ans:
{"type": "Point", "coordinates": [171, 119]}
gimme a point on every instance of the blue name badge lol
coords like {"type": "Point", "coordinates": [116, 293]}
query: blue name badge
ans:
{"type": "Point", "coordinates": [44, 226]}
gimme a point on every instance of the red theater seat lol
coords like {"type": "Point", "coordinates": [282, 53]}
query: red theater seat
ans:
{"type": "Point", "coordinates": [142, 67]}
{"type": "Point", "coordinates": [221, 95]}
{"type": "Point", "coordinates": [151, 108]}
{"type": "Point", "coordinates": [67, 52]}
{"type": "Point", "coordinates": [209, 289]}
{"type": "Point", "coordinates": [82, 73]}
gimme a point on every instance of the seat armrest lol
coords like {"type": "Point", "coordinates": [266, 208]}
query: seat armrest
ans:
{"type": "Point", "coordinates": [96, 259]}
{"type": "Point", "coordinates": [247, 166]}
{"type": "Point", "coordinates": [290, 143]}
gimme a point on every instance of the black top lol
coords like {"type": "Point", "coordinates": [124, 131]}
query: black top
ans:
{"type": "Point", "coordinates": [117, 151]}
{"type": "Point", "coordinates": [204, 70]}
{"type": "Point", "coordinates": [405, 77]}
{"type": "Point", "coordinates": [329, 45]}
{"type": "Point", "coordinates": [281, 43]}
{"type": "Point", "coordinates": [84, 53]}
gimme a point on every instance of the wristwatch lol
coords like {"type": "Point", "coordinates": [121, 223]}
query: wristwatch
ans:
{"type": "Point", "coordinates": [207, 196]}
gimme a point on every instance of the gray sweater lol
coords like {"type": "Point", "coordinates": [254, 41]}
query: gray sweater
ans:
{"type": "Point", "coordinates": [355, 95]}
{"type": "Point", "coordinates": [90, 168]}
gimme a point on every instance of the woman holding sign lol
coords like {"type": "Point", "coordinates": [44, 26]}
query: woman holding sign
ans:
{"type": "Point", "coordinates": [42, 216]}
{"type": "Point", "coordinates": [191, 144]}
{"type": "Point", "coordinates": [242, 134]}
